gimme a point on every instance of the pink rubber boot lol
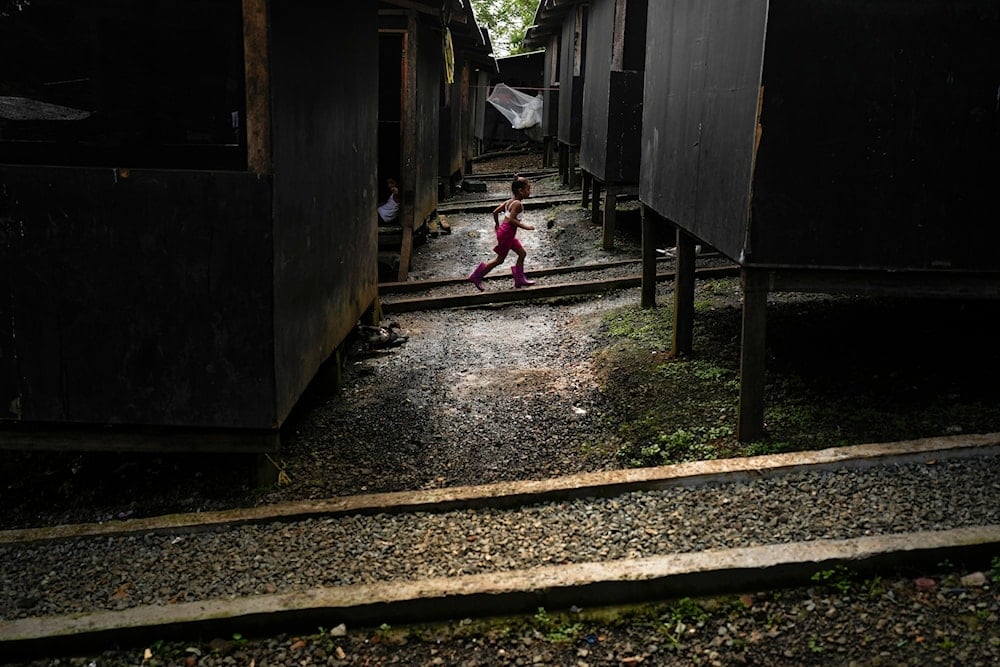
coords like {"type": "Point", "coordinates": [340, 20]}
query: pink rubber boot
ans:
{"type": "Point", "coordinates": [519, 278]}
{"type": "Point", "coordinates": [476, 277]}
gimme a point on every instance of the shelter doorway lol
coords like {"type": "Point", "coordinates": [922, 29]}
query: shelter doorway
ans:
{"type": "Point", "coordinates": [390, 105]}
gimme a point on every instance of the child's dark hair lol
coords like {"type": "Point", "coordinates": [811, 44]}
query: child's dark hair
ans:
{"type": "Point", "coordinates": [518, 183]}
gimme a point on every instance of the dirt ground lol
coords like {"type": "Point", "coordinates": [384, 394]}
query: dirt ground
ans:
{"type": "Point", "coordinates": [593, 373]}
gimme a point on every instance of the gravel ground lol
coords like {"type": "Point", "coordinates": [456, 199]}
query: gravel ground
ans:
{"type": "Point", "coordinates": [949, 616]}
{"type": "Point", "coordinates": [171, 567]}
{"type": "Point", "coordinates": [480, 395]}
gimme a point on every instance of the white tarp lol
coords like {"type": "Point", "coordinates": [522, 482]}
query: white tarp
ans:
{"type": "Point", "coordinates": [520, 109]}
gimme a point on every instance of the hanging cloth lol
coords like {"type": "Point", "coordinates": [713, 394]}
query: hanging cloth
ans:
{"type": "Point", "coordinates": [449, 57]}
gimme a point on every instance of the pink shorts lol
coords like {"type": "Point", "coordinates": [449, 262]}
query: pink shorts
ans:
{"type": "Point", "coordinates": [506, 240]}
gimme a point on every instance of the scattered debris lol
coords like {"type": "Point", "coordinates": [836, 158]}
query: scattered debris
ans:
{"type": "Point", "coordinates": [380, 337]}
{"type": "Point", "coordinates": [443, 224]}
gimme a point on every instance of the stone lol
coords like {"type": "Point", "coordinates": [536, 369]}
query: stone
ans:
{"type": "Point", "coordinates": [974, 579]}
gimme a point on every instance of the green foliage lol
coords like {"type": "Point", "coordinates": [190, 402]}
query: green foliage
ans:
{"type": "Point", "coordinates": [677, 619]}
{"type": "Point", "coordinates": [665, 410]}
{"type": "Point", "coordinates": [644, 446]}
{"type": "Point", "coordinates": [555, 628]}
{"type": "Point", "coordinates": [507, 20]}
{"type": "Point", "coordinates": [995, 570]}
{"type": "Point", "coordinates": [838, 578]}
{"type": "Point", "coordinates": [761, 448]}
{"type": "Point", "coordinates": [643, 325]}
{"type": "Point", "coordinates": [687, 610]}
{"type": "Point", "coordinates": [876, 587]}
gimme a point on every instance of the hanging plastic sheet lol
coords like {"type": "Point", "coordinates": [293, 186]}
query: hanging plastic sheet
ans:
{"type": "Point", "coordinates": [523, 111]}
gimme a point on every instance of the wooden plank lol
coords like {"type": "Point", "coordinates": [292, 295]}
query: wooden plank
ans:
{"type": "Point", "coordinates": [537, 292]}
{"type": "Point", "coordinates": [486, 205]}
{"type": "Point", "coordinates": [431, 283]}
{"type": "Point", "coordinates": [258, 86]}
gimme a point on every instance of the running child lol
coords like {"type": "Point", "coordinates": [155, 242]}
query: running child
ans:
{"type": "Point", "coordinates": [506, 231]}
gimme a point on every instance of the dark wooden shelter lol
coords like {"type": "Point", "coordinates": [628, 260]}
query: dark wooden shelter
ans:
{"type": "Point", "coordinates": [187, 213]}
{"type": "Point", "coordinates": [560, 27]}
{"type": "Point", "coordinates": [825, 147]}
{"type": "Point", "coordinates": [612, 106]}
{"type": "Point", "coordinates": [426, 125]}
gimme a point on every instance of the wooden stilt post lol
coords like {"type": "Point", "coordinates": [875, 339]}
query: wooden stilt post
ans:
{"type": "Point", "coordinates": [585, 188]}
{"type": "Point", "coordinates": [750, 425]}
{"type": "Point", "coordinates": [595, 203]}
{"type": "Point", "coordinates": [684, 295]}
{"type": "Point", "coordinates": [610, 209]}
{"type": "Point", "coordinates": [648, 299]}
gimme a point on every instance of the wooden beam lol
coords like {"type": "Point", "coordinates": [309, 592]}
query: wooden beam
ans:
{"type": "Point", "coordinates": [415, 6]}
{"type": "Point", "coordinates": [476, 298]}
{"type": "Point", "coordinates": [932, 284]}
{"type": "Point", "coordinates": [258, 86]}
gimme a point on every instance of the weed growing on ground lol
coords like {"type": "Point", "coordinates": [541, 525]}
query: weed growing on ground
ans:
{"type": "Point", "coordinates": [826, 385]}
{"type": "Point", "coordinates": [556, 629]}
{"type": "Point", "coordinates": [839, 578]}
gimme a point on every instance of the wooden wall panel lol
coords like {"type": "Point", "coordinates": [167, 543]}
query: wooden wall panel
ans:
{"type": "Point", "coordinates": [325, 161]}
{"type": "Point", "coordinates": [879, 144]}
{"type": "Point", "coordinates": [141, 297]}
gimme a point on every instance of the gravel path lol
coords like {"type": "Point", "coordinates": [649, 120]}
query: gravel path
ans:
{"type": "Point", "coordinates": [119, 572]}
{"type": "Point", "coordinates": [952, 619]}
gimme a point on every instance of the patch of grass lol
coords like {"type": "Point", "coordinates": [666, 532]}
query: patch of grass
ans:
{"type": "Point", "coordinates": [839, 578]}
{"type": "Point", "coordinates": [840, 371]}
{"type": "Point", "coordinates": [677, 447]}
{"type": "Point", "coordinates": [556, 628]}
{"type": "Point", "coordinates": [646, 325]}
{"type": "Point", "coordinates": [686, 610]}
{"type": "Point", "coordinates": [876, 587]}
{"type": "Point", "coordinates": [765, 448]}
{"type": "Point", "coordinates": [664, 410]}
